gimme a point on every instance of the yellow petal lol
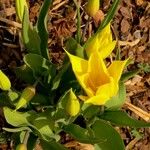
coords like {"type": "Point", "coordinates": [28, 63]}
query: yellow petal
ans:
{"type": "Point", "coordinates": [116, 68]}
{"type": "Point", "coordinates": [97, 70]}
{"type": "Point", "coordinates": [92, 45]}
{"type": "Point", "coordinates": [105, 33]}
{"type": "Point", "coordinates": [110, 89]}
{"type": "Point", "coordinates": [106, 49]}
{"type": "Point", "coordinates": [79, 65]}
{"type": "Point", "coordinates": [98, 99]}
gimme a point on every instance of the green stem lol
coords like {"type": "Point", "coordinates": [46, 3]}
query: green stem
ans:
{"type": "Point", "coordinates": [25, 140]}
{"type": "Point", "coordinates": [85, 28]}
{"type": "Point", "coordinates": [78, 21]}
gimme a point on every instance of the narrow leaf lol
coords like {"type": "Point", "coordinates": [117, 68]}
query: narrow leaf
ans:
{"type": "Point", "coordinates": [42, 28]}
{"type": "Point", "coordinates": [30, 36]}
{"type": "Point", "coordinates": [126, 76]}
{"type": "Point", "coordinates": [121, 118]}
{"type": "Point", "coordinates": [109, 15]}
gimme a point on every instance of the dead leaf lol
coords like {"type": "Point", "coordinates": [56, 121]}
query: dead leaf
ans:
{"type": "Point", "coordinates": [125, 26]}
{"type": "Point", "coordinates": [125, 12]}
{"type": "Point", "coordinates": [133, 43]}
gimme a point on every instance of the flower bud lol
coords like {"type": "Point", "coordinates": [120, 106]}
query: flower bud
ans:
{"type": "Point", "coordinates": [92, 7]}
{"type": "Point", "coordinates": [26, 96]}
{"type": "Point", "coordinates": [4, 82]}
{"type": "Point", "coordinates": [20, 4]}
{"type": "Point", "coordinates": [73, 105]}
{"type": "Point", "coordinates": [21, 147]}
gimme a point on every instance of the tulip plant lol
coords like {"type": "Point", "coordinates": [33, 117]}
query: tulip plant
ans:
{"type": "Point", "coordinates": [82, 98]}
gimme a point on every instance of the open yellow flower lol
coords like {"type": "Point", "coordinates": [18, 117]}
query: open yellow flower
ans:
{"type": "Point", "coordinates": [101, 42]}
{"type": "Point", "coordinates": [99, 82]}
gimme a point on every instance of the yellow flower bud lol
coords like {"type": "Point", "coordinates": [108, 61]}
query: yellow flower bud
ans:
{"type": "Point", "coordinates": [4, 82]}
{"type": "Point", "coordinates": [26, 96]}
{"type": "Point", "coordinates": [20, 4]}
{"type": "Point", "coordinates": [73, 105]}
{"type": "Point", "coordinates": [21, 147]}
{"type": "Point", "coordinates": [92, 7]}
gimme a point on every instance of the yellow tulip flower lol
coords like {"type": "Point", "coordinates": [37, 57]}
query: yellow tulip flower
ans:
{"type": "Point", "coordinates": [101, 42]}
{"type": "Point", "coordinates": [99, 82]}
{"type": "Point", "coordinates": [92, 7]}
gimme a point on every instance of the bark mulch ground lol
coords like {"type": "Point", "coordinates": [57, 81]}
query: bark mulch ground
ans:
{"type": "Point", "coordinates": [131, 26]}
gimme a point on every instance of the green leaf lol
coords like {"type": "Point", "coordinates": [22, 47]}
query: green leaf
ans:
{"type": "Point", "coordinates": [61, 107]}
{"type": "Point", "coordinates": [40, 100]}
{"type": "Point", "coordinates": [74, 47]}
{"type": "Point", "coordinates": [43, 126]}
{"type": "Point", "coordinates": [91, 111]}
{"type": "Point", "coordinates": [117, 101]}
{"type": "Point", "coordinates": [41, 67]}
{"type": "Point", "coordinates": [58, 77]}
{"type": "Point", "coordinates": [52, 145]}
{"type": "Point", "coordinates": [17, 129]}
{"type": "Point", "coordinates": [30, 36]}
{"type": "Point", "coordinates": [5, 100]}
{"type": "Point", "coordinates": [32, 141]}
{"type": "Point", "coordinates": [25, 74]}
{"type": "Point", "coordinates": [121, 118]}
{"type": "Point", "coordinates": [126, 76]}
{"type": "Point", "coordinates": [110, 137]}
{"type": "Point", "coordinates": [81, 134]}
{"type": "Point", "coordinates": [18, 119]}
{"type": "Point", "coordinates": [42, 28]}
{"type": "Point", "coordinates": [109, 15]}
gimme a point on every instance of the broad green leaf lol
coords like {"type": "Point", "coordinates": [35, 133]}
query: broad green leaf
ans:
{"type": "Point", "coordinates": [109, 15]}
{"type": "Point", "coordinates": [117, 101]}
{"type": "Point", "coordinates": [110, 138]}
{"type": "Point", "coordinates": [126, 76]}
{"type": "Point", "coordinates": [81, 134]}
{"type": "Point", "coordinates": [25, 74]}
{"type": "Point", "coordinates": [42, 28]}
{"type": "Point", "coordinates": [30, 36]}
{"type": "Point", "coordinates": [42, 68]}
{"type": "Point", "coordinates": [43, 126]}
{"type": "Point", "coordinates": [52, 145]}
{"type": "Point", "coordinates": [18, 119]}
{"type": "Point", "coordinates": [121, 118]}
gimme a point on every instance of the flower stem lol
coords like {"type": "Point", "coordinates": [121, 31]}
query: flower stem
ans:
{"type": "Point", "coordinates": [78, 21]}
{"type": "Point", "coordinates": [26, 136]}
